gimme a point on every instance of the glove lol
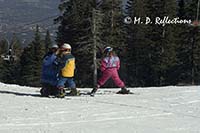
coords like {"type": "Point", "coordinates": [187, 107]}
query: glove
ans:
{"type": "Point", "coordinates": [58, 52]}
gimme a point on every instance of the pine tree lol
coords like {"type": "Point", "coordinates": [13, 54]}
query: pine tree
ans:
{"type": "Point", "coordinates": [3, 51]}
{"type": "Point", "coordinates": [151, 47]}
{"type": "Point", "coordinates": [112, 31]}
{"type": "Point", "coordinates": [10, 72]}
{"type": "Point", "coordinates": [16, 47]}
{"type": "Point", "coordinates": [181, 9]}
{"type": "Point", "coordinates": [39, 51]}
{"type": "Point", "coordinates": [188, 48]}
{"type": "Point", "coordinates": [154, 35]}
{"type": "Point", "coordinates": [97, 17]}
{"type": "Point", "coordinates": [77, 25]}
{"type": "Point", "coordinates": [48, 42]}
{"type": "Point", "coordinates": [138, 46]}
{"type": "Point", "coordinates": [168, 58]}
{"type": "Point", "coordinates": [31, 61]}
{"type": "Point", "coordinates": [66, 30]}
{"type": "Point", "coordinates": [10, 68]}
{"type": "Point", "coordinates": [3, 46]}
{"type": "Point", "coordinates": [26, 63]}
{"type": "Point", "coordinates": [76, 28]}
{"type": "Point", "coordinates": [162, 45]}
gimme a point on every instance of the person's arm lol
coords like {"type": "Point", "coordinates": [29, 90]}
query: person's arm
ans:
{"type": "Point", "coordinates": [103, 65]}
{"type": "Point", "coordinates": [56, 61]}
{"type": "Point", "coordinates": [53, 57]}
{"type": "Point", "coordinates": [118, 63]}
{"type": "Point", "coordinates": [49, 59]}
{"type": "Point", "coordinates": [60, 62]}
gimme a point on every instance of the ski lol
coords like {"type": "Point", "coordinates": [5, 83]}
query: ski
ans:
{"type": "Point", "coordinates": [100, 92]}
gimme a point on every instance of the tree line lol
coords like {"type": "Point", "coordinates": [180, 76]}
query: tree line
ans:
{"type": "Point", "coordinates": [151, 55]}
{"type": "Point", "coordinates": [25, 67]}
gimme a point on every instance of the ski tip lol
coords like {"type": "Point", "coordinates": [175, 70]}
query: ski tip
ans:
{"type": "Point", "coordinates": [129, 93]}
{"type": "Point", "coordinates": [92, 95]}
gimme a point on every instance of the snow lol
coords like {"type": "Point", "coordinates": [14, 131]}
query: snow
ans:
{"type": "Point", "coordinates": [168, 109]}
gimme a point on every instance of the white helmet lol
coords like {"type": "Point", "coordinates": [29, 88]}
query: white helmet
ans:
{"type": "Point", "coordinates": [54, 46]}
{"type": "Point", "coordinates": [66, 46]}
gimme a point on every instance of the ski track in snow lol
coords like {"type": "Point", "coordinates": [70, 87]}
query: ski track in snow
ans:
{"type": "Point", "coordinates": [149, 110]}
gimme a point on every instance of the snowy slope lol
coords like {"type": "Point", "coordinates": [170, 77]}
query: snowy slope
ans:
{"type": "Point", "coordinates": [150, 110]}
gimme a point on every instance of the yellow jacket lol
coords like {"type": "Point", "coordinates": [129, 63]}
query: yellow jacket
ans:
{"type": "Point", "coordinates": [68, 65]}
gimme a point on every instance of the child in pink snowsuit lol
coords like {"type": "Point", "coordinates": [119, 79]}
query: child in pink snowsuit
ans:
{"type": "Point", "coordinates": [109, 68]}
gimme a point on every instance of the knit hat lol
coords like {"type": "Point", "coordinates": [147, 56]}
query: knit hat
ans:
{"type": "Point", "coordinates": [66, 46]}
{"type": "Point", "coordinates": [54, 46]}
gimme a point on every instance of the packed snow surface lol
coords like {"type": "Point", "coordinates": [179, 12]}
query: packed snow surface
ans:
{"type": "Point", "coordinates": [150, 110]}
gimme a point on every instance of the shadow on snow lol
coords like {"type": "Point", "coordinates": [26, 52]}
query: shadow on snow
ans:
{"type": "Point", "coordinates": [20, 94]}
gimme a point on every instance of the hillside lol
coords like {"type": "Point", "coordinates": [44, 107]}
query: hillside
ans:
{"type": "Point", "coordinates": [15, 14]}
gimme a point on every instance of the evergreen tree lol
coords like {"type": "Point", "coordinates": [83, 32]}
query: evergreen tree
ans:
{"type": "Point", "coordinates": [188, 48]}
{"type": "Point", "coordinates": [48, 42]}
{"type": "Point", "coordinates": [154, 34]}
{"type": "Point", "coordinates": [162, 45]}
{"type": "Point", "coordinates": [66, 30]}
{"type": "Point", "coordinates": [31, 61]}
{"type": "Point", "coordinates": [39, 51]}
{"type": "Point", "coordinates": [16, 47]}
{"type": "Point", "coordinates": [10, 67]}
{"type": "Point", "coordinates": [97, 18]}
{"type": "Point", "coordinates": [181, 12]}
{"type": "Point", "coordinates": [3, 47]}
{"type": "Point", "coordinates": [113, 32]}
{"type": "Point", "coordinates": [152, 54]}
{"type": "Point", "coordinates": [76, 28]}
{"type": "Point", "coordinates": [3, 52]}
{"type": "Point", "coordinates": [26, 62]}
{"type": "Point", "coordinates": [10, 72]}
{"type": "Point", "coordinates": [77, 25]}
{"type": "Point", "coordinates": [169, 58]}
{"type": "Point", "coordinates": [139, 71]}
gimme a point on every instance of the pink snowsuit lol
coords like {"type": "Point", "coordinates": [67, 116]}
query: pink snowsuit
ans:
{"type": "Point", "coordinates": [109, 67]}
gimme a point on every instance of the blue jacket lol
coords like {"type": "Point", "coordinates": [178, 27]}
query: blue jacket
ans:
{"type": "Point", "coordinates": [49, 70]}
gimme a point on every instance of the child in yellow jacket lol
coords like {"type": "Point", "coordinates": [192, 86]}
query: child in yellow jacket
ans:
{"type": "Point", "coordinates": [66, 64]}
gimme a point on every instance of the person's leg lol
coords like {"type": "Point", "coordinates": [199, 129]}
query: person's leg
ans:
{"type": "Point", "coordinates": [72, 86]}
{"type": "Point", "coordinates": [106, 75]}
{"type": "Point", "coordinates": [71, 83]}
{"type": "Point", "coordinates": [115, 77]}
{"type": "Point", "coordinates": [118, 82]}
{"type": "Point", "coordinates": [45, 90]}
{"type": "Point", "coordinates": [61, 86]}
{"type": "Point", "coordinates": [61, 82]}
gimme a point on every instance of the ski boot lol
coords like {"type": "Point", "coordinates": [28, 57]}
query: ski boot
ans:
{"type": "Point", "coordinates": [44, 92]}
{"type": "Point", "coordinates": [94, 90]}
{"type": "Point", "coordinates": [123, 91]}
{"type": "Point", "coordinates": [73, 92]}
{"type": "Point", "coordinates": [54, 91]}
{"type": "Point", "coordinates": [60, 93]}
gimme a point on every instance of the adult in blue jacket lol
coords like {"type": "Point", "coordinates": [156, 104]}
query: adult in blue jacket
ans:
{"type": "Point", "coordinates": [49, 77]}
